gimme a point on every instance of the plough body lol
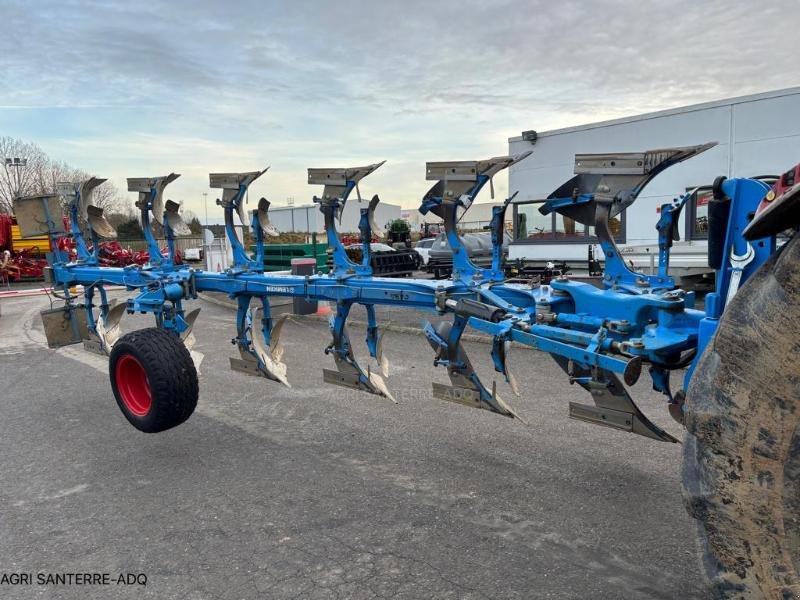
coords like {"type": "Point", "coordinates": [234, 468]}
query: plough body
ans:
{"type": "Point", "coordinates": [601, 337]}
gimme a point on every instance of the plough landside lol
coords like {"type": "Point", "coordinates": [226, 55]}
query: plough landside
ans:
{"type": "Point", "coordinates": [600, 337]}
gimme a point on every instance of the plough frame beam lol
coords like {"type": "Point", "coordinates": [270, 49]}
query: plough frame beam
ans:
{"type": "Point", "coordinates": [600, 337]}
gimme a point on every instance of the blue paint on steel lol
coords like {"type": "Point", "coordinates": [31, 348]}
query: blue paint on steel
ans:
{"type": "Point", "coordinates": [745, 196]}
{"type": "Point", "coordinates": [82, 251]}
{"type": "Point", "coordinates": [152, 245]}
{"type": "Point", "coordinates": [634, 317]}
{"type": "Point", "coordinates": [258, 234]}
{"type": "Point", "coordinates": [241, 261]}
{"type": "Point", "coordinates": [366, 238]}
{"type": "Point", "coordinates": [464, 270]}
{"type": "Point", "coordinates": [342, 265]}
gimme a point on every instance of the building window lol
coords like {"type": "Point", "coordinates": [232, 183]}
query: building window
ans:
{"type": "Point", "coordinates": [531, 226]}
{"type": "Point", "coordinates": [567, 229]}
{"type": "Point", "coordinates": [697, 217]}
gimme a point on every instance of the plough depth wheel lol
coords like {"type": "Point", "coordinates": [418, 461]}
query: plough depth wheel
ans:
{"type": "Point", "coordinates": [154, 379]}
{"type": "Point", "coordinates": [741, 470]}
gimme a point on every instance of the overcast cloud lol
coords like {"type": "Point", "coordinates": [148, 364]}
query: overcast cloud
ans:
{"type": "Point", "coordinates": [133, 88]}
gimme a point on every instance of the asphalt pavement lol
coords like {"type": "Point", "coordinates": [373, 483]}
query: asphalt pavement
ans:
{"type": "Point", "coordinates": [323, 492]}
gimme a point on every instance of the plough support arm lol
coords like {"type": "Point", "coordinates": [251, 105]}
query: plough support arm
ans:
{"type": "Point", "coordinates": [601, 337]}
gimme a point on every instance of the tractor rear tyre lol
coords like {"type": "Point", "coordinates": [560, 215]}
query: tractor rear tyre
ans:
{"type": "Point", "coordinates": [154, 379]}
{"type": "Point", "coordinates": [741, 460]}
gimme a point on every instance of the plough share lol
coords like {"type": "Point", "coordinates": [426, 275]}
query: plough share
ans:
{"type": "Point", "coordinates": [739, 396]}
{"type": "Point", "coordinates": [601, 337]}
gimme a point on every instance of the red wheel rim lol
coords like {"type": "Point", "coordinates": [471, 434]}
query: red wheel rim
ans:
{"type": "Point", "coordinates": [132, 385]}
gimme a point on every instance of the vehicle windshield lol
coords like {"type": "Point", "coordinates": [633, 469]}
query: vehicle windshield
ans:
{"type": "Point", "coordinates": [374, 247]}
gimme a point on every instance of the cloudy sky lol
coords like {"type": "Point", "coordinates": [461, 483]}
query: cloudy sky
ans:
{"type": "Point", "coordinates": [144, 88]}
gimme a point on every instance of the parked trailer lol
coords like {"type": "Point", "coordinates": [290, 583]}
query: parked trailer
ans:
{"type": "Point", "coordinates": [757, 134]}
{"type": "Point", "coordinates": [739, 396]}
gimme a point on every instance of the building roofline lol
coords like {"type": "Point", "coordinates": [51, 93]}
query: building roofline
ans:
{"type": "Point", "coordinates": [669, 112]}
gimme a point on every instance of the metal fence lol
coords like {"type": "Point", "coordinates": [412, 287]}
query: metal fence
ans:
{"type": "Point", "coordinates": [180, 243]}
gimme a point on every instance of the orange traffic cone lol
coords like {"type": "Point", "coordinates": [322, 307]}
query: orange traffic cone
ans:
{"type": "Point", "coordinates": [323, 308]}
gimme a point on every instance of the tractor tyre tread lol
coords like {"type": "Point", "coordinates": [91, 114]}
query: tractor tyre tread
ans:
{"type": "Point", "coordinates": [741, 459]}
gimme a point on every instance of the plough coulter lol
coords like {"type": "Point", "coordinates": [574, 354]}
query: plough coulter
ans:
{"type": "Point", "coordinates": [601, 337]}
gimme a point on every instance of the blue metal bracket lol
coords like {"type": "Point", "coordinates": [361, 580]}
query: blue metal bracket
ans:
{"type": "Point", "coordinates": [498, 229]}
{"type": "Point", "coordinates": [234, 190]}
{"type": "Point", "coordinates": [745, 196]}
{"type": "Point", "coordinates": [339, 183]}
{"type": "Point", "coordinates": [241, 261]}
{"type": "Point", "coordinates": [594, 334]}
{"type": "Point", "coordinates": [458, 184]}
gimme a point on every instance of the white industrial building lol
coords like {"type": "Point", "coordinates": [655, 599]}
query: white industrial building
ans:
{"type": "Point", "coordinates": [757, 135]}
{"type": "Point", "coordinates": [307, 218]}
{"type": "Point", "coordinates": [478, 216]}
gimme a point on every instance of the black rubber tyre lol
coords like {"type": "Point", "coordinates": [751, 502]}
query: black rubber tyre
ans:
{"type": "Point", "coordinates": [154, 379]}
{"type": "Point", "coordinates": [741, 462]}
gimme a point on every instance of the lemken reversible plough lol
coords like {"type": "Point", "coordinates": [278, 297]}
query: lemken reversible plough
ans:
{"type": "Point", "coordinates": [600, 337]}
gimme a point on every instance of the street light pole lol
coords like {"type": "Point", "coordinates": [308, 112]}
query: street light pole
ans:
{"type": "Point", "coordinates": [205, 206]}
{"type": "Point", "coordinates": [16, 163]}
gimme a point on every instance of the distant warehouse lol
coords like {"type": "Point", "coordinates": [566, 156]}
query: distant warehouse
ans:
{"type": "Point", "coordinates": [307, 218]}
{"type": "Point", "coordinates": [758, 136]}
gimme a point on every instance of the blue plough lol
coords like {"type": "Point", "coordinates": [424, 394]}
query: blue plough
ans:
{"type": "Point", "coordinates": [600, 336]}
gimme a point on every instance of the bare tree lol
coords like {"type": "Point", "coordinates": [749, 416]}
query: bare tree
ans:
{"type": "Point", "coordinates": [193, 222]}
{"type": "Point", "coordinates": [40, 174]}
{"type": "Point", "coordinates": [18, 179]}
